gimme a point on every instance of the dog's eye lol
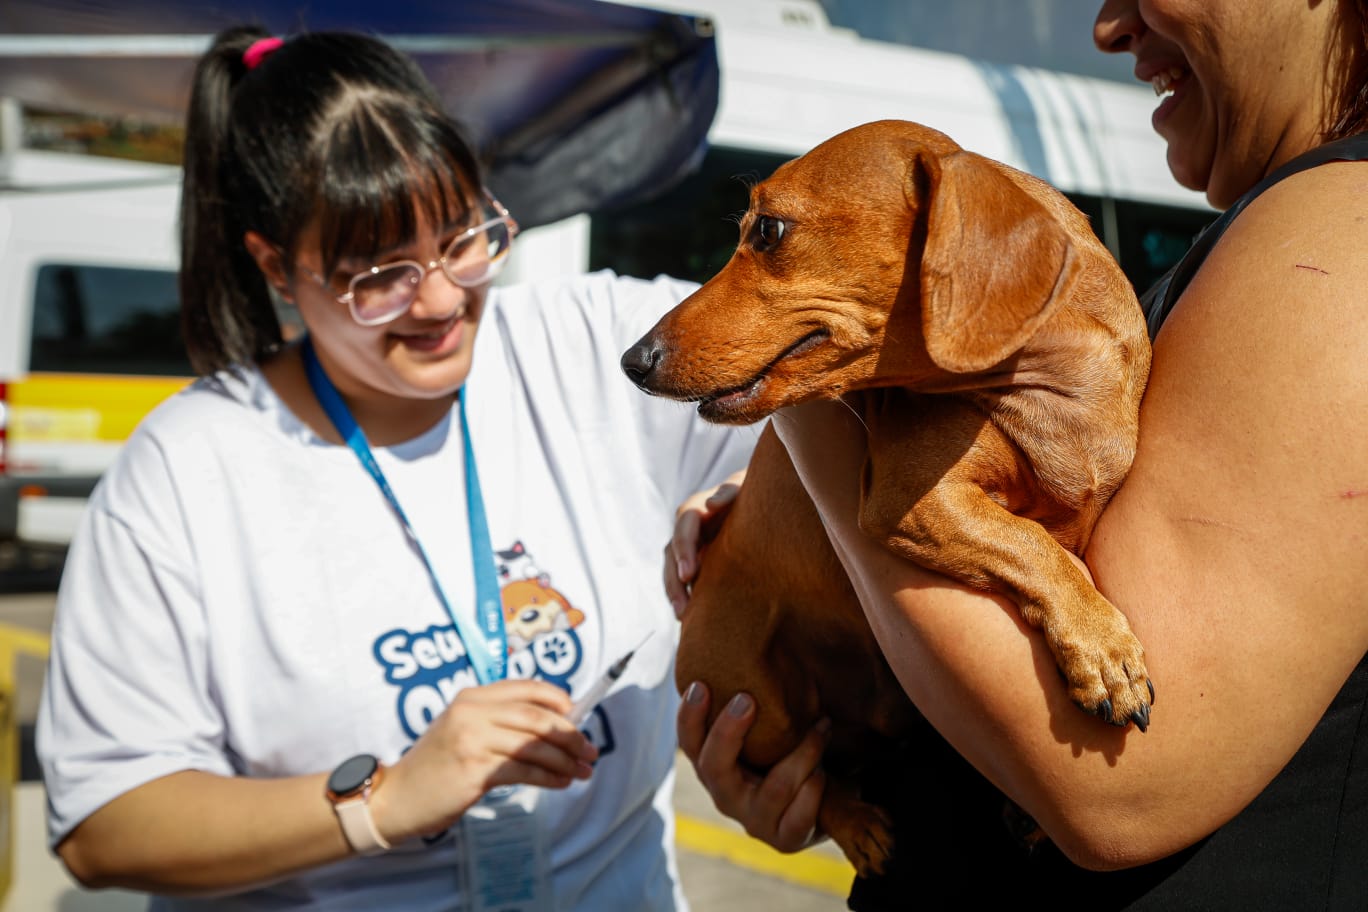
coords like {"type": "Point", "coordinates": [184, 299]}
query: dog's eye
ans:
{"type": "Point", "coordinates": [769, 231]}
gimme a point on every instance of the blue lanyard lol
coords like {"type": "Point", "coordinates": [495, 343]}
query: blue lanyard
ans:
{"type": "Point", "coordinates": [488, 652]}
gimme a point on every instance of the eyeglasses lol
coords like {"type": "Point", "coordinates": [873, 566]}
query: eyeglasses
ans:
{"type": "Point", "coordinates": [473, 258]}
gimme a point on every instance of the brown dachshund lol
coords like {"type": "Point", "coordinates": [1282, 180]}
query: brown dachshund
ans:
{"type": "Point", "coordinates": [997, 355]}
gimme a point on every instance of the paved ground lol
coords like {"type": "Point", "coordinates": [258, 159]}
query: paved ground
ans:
{"type": "Point", "coordinates": [722, 869]}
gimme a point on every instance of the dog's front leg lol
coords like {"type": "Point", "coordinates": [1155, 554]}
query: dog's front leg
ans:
{"type": "Point", "coordinates": [924, 497]}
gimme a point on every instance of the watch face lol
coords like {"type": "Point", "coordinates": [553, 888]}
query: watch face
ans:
{"type": "Point", "coordinates": [352, 774]}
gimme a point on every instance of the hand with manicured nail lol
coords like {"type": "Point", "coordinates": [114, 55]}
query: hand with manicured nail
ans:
{"type": "Point", "coordinates": [692, 519]}
{"type": "Point", "coordinates": [779, 808]}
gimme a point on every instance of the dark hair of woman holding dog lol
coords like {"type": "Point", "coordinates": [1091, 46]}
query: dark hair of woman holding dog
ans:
{"type": "Point", "coordinates": [286, 670]}
{"type": "Point", "coordinates": [1237, 546]}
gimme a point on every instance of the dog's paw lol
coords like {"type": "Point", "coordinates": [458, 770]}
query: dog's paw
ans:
{"type": "Point", "coordinates": [1104, 666]}
{"type": "Point", "coordinates": [865, 834]}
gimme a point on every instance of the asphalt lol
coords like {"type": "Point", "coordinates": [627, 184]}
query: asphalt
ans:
{"type": "Point", "coordinates": [722, 869]}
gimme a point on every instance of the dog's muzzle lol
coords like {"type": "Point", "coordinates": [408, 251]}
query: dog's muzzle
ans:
{"type": "Point", "coordinates": [639, 361]}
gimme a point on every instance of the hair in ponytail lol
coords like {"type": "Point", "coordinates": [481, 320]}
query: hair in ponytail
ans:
{"type": "Point", "coordinates": [335, 128]}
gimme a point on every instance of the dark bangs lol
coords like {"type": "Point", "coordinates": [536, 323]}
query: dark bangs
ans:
{"type": "Point", "coordinates": [381, 166]}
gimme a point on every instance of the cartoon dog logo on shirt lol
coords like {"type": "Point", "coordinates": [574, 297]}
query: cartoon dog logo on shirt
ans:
{"type": "Point", "coordinates": [430, 666]}
{"type": "Point", "coordinates": [533, 608]}
{"type": "Point", "coordinates": [515, 563]}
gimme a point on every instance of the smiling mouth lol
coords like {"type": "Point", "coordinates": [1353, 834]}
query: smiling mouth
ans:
{"type": "Point", "coordinates": [435, 333]}
{"type": "Point", "coordinates": [727, 402]}
{"type": "Point", "coordinates": [1166, 82]}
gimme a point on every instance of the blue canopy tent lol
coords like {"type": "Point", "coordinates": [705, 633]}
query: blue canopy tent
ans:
{"type": "Point", "coordinates": [573, 104]}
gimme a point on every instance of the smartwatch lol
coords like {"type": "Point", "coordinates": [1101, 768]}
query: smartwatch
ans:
{"type": "Point", "coordinates": [349, 789]}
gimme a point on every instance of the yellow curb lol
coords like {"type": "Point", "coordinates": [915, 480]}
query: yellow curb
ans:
{"type": "Point", "coordinates": [20, 639]}
{"type": "Point", "coordinates": [13, 641]}
{"type": "Point", "coordinates": [808, 869]}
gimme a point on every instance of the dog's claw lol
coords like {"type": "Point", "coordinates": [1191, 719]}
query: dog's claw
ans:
{"type": "Point", "coordinates": [1141, 718]}
{"type": "Point", "coordinates": [1104, 709]}
{"type": "Point", "coordinates": [1150, 685]}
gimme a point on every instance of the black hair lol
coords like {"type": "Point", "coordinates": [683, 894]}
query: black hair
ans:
{"type": "Point", "coordinates": [1350, 113]}
{"type": "Point", "coordinates": [334, 126]}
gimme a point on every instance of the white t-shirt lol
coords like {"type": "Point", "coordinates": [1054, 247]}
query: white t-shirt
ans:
{"type": "Point", "coordinates": [242, 599]}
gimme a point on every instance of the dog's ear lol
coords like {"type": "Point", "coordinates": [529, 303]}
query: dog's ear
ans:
{"type": "Point", "coordinates": [995, 263]}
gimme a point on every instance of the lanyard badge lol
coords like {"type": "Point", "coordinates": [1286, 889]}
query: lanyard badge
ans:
{"type": "Point", "coordinates": [504, 861]}
{"type": "Point", "coordinates": [487, 649]}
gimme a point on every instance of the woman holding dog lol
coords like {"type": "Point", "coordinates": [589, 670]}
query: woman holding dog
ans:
{"type": "Point", "coordinates": [288, 669]}
{"type": "Point", "coordinates": [1236, 546]}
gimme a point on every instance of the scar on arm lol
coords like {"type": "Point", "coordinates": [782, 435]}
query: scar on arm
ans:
{"type": "Point", "coordinates": [1312, 268]}
{"type": "Point", "coordinates": [1352, 493]}
{"type": "Point", "coordinates": [1215, 523]}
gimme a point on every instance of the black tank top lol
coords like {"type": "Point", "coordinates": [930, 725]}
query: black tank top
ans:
{"type": "Point", "coordinates": [1302, 844]}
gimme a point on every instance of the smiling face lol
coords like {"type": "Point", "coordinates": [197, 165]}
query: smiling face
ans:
{"type": "Point", "coordinates": [424, 354]}
{"type": "Point", "coordinates": [1246, 86]}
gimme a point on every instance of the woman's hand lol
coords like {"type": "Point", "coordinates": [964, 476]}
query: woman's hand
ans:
{"type": "Point", "coordinates": [699, 513]}
{"type": "Point", "coordinates": [505, 733]}
{"type": "Point", "coordinates": [780, 808]}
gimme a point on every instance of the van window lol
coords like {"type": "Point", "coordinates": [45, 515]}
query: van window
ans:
{"type": "Point", "coordinates": [688, 232]}
{"type": "Point", "coordinates": [106, 320]}
{"type": "Point", "coordinates": [1152, 238]}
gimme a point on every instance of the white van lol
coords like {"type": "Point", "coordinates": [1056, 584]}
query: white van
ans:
{"type": "Point", "coordinates": [89, 327]}
{"type": "Point", "coordinates": [791, 80]}
{"type": "Point", "coordinates": [88, 339]}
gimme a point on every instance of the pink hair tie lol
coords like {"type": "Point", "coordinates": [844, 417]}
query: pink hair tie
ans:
{"type": "Point", "coordinates": [258, 51]}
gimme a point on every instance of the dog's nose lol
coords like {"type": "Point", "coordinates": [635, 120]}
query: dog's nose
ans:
{"type": "Point", "coordinates": [639, 360]}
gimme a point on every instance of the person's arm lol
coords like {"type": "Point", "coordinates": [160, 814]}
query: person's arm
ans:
{"type": "Point", "coordinates": [194, 831]}
{"type": "Point", "coordinates": [198, 832]}
{"type": "Point", "coordinates": [1235, 548]}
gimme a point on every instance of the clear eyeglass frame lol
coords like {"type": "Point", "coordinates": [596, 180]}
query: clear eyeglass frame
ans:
{"type": "Point", "coordinates": [385, 292]}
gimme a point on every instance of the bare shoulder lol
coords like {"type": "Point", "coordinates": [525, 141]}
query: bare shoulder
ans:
{"type": "Point", "coordinates": [1236, 543]}
{"type": "Point", "coordinates": [1252, 438]}
{"type": "Point", "coordinates": [1277, 317]}
{"type": "Point", "coordinates": [1305, 236]}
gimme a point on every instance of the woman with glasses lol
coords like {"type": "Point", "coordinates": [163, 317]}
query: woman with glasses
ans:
{"type": "Point", "coordinates": [336, 629]}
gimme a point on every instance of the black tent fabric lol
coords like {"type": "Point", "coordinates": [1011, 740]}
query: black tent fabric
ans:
{"type": "Point", "coordinates": [574, 105]}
